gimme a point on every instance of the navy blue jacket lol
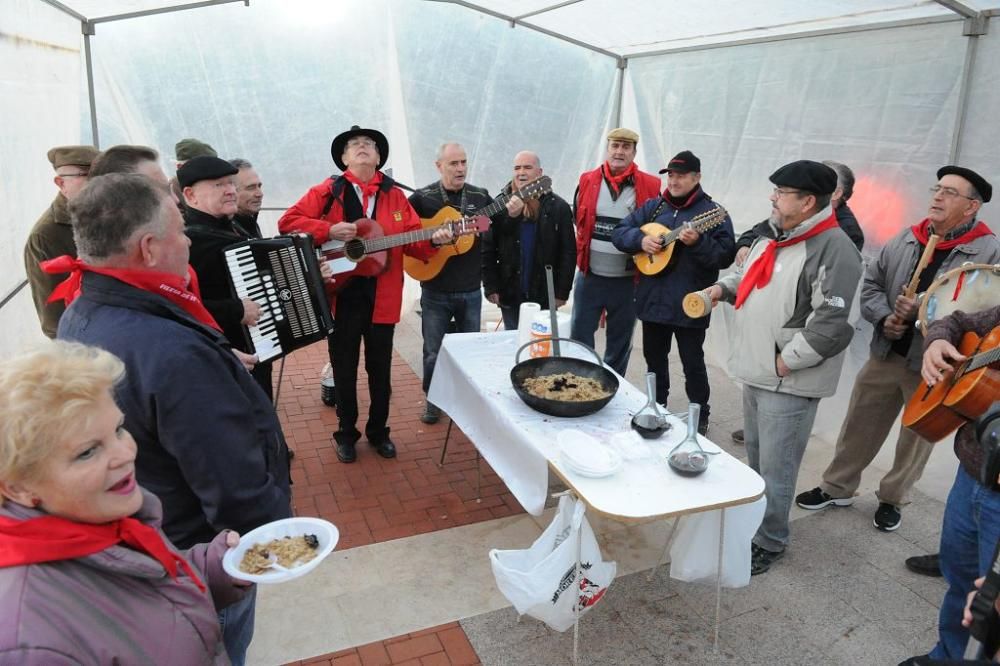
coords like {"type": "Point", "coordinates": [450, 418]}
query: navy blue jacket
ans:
{"type": "Point", "coordinates": [658, 297]}
{"type": "Point", "coordinates": [209, 443]}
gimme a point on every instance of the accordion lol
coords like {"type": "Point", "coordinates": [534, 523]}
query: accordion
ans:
{"type": "Point", "coordinates": [281, 275]}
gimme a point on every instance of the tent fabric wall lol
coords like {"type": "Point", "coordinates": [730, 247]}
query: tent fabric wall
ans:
{"type": "Point", "coordinates": [40, 64]}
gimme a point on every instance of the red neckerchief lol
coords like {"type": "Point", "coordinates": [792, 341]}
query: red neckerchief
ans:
{"type": "Point", "coordinates": [170, 286]}
{"type": "Point", "coordinates": [759, 272]}
{"type": "Point", "coordinates": [922, 232]}
{"type": "Point", "coordinates": [51, 539]}
{"type": "Point", "coordinates": [615, 182]}
{"type": "Point", "coordinates": [367, 189]}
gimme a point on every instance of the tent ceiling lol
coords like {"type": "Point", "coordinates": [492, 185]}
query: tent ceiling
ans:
{"type": "Point", "coordinates": [643, 27]}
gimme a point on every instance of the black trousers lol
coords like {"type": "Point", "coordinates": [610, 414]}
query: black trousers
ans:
{"type": "Point", "coordinates": [354, 325]}
{"type": "Point", "coordinates": [262, 373]}
{"type": "Point", "coordinates": [657, 340]}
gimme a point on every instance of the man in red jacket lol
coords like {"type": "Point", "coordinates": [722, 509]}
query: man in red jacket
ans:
{"type": "Point", "coordinates": [606, 280]}
{"type": "Point", "coordinates": [364, 308]}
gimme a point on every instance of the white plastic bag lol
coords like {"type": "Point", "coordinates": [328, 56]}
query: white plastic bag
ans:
{"type": "Point", "coordinates": [539, 581]}
{"type": "Point", "coordinates": [694, 555]}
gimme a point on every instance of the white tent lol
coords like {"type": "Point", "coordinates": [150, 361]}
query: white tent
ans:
{"type": "Point", "coordinates": [893, 88]}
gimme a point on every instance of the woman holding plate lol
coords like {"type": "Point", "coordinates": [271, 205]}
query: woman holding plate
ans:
{"type": "Point", "coordinates": [86, 576]}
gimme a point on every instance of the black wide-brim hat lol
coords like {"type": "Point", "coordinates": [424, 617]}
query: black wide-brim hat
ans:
{"type": "Point", "coordinates": [340, 142]}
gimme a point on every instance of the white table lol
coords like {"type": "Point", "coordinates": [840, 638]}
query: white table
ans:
{"type": "Point", "coordinates": [472, 384]}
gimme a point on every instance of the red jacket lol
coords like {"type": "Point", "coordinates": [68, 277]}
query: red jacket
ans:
{"type": "Point", "coordinates": [647, 186]}
{"type": "Point", "coordinates": [395, 215]}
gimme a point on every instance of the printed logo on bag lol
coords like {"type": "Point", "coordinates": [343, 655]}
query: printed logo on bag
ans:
{"type": "Point", "coordinates": [397, 215]}
{"type": "Point", "coordinates": [590, 592]}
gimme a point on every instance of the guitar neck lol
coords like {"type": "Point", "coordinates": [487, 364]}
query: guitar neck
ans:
{"type": "Point", "coordinates": [395, 240]}
{"type": "Point", "coordinates": [982, 359]}
{"type": "Point", "coordinates": [498, 205]}
{"type": "Point", "coordinates": [701, 226]}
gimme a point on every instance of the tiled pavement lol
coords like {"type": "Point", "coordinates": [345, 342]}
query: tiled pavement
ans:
{"type": "Point", "coordinates": [437, 646]}
{"type": "Point", "coordinates": [374, 499]}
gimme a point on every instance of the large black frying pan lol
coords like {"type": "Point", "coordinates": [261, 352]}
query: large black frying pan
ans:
{"type": "Point", "coordinates": [554, 365]}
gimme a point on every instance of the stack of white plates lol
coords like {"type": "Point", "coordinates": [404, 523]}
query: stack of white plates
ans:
{"type": "Point", "coordinates": [586, 456]}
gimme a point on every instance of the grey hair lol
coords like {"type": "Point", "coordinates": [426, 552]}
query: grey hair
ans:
{"type": "Point", "coordinates": [444, 146]}
{"type": "Point", "coordinates": [845, 178]}
{"type": "Point", "coordinates": [110, 211]}
{"type": "Point", "coordinates": [241, 163]}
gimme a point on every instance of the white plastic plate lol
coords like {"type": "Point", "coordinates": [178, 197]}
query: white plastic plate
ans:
{"type": "Point", "coordinates": [586, 456]}
{"type": "Point", "coordinates": [325, 531]}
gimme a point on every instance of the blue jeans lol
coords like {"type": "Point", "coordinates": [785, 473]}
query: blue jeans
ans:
{"type": "Point", "coordinates": [237, 626]}
{"type": "Point", "coordinates": [437, 309]}
{"type": "Point", "coordinates": [593, 294]}
{"type": "Point", "coordinates": [776, 428]}
{"type": "Point", "coordinates": [969, 534]}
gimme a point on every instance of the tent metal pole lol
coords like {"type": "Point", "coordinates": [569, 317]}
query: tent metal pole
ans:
{"type": "Point", "coordinates": [547, 9]}
{"type": "Point", "coordinates": [66, 10]}
{"type": "Point", "coordinates": [515, 21]}
{"type": "Point", "coordinates": [165, 10]}
{"type": "Point", "coordinates": [975, 27]}
{"type": "Point", "coordinates": [959, 8]}
{"type": "Point", "coordinates": [616, 113]}
{"type": "Point", "coordinates": [88, 30]}
{"type": "Point", "coordinates": [906, 23]}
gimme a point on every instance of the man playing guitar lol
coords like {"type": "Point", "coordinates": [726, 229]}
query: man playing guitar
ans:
{"type": "Point", "coordinates": [365, 307]}
{"type": "Point", "coordinates": [455, 292]}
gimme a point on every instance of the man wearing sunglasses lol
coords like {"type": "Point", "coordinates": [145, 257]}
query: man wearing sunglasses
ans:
{"type": "Point", "coordinates": [892, 373]}
{"type": "Point", "coordinates": [52, 235]}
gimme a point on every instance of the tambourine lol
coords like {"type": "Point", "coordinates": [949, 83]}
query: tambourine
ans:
{"type": "Point", "coordinates": [969, 288]}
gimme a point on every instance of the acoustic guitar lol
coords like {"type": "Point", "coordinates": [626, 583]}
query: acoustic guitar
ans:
{"type": "Point", "coordinates": [651, 264]}
{"type": "Point", "coordinates": [428, 269]}
{"type": "Point", "coordinates": [934, 412]}
{"type": "Point", "coordinates": [367, 254]}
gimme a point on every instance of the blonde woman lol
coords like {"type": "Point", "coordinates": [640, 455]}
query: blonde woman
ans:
{"type": "Point", "coordinates": [85, 574]}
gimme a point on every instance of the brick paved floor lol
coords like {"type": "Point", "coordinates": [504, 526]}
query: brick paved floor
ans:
{"type": "Point", "coordinates": [444, 645]}
{"type": "Point", "coordinates": [376, 500]}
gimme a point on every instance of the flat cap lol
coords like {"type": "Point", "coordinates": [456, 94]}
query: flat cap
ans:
{"type": "Point", "coordinates": [806, 175]}
{"type": "Point", "coordinates": [981, 184]}
{"type": "Point", "coordinates": [187, 149]}
{"type": "Point", "coordinates": [683, 162]}
{"type": "Point", "coordinates": [623, 134]}
{"type": "Point", "coordinates": [72, 156]}
{"type": "Point", "coordinates": [205, 167]}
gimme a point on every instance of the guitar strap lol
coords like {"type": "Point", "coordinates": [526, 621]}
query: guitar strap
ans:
{"type": "Point", "coordinates": [336, 189]}
{"type": "Point", "coordinates": [447, 201]}
{"type": "Point", "coordinates": [658, 210]}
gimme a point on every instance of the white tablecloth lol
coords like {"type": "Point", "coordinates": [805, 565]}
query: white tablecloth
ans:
{"type": "Point", "coordinates": [472, 384]}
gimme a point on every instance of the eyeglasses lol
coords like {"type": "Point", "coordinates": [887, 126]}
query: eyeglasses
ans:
{"type": "Point", "coordinates": [73, 175]}
{"type": "Point", "coordinates": [948, 192]}
{"type": "Point", "coordinates": [777, 192]}
{"type": "Point", "coordinates": [359, 142]}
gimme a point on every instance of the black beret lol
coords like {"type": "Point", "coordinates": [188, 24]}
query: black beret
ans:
{"type": "Point", "coordinates": [205, 167]}
{"type": "Point", "coordinates": [806, 175]}
{"type": "Point", "coordinates": [981, 184]}
{"type": "Point", "coordinates": [683, 162]}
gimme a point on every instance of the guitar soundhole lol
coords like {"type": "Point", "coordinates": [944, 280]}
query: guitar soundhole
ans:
{"type": "Point", "coordinates": [354, 249]}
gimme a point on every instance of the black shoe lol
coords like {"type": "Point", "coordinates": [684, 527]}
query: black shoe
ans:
{"type": "Point", "coordinates": [762, 559]}
{"type": "Point", "coordinates": [431, 415]}
{"type": "Point", "coordinates": [925, 565]}
{"type": "Point", "coordinates": [384, 448]}
{"type": "Point", "coordinates": [738, 436]}
{"type": "Point", "coordinates": [887, 517]}
{"type": "Point", "coordinates": [817, 499]}
{"type": "Point", "coordinates": [346, 452]}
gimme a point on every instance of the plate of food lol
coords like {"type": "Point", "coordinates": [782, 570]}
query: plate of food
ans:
{"type": "Point", "coordinates": [280, 551]}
